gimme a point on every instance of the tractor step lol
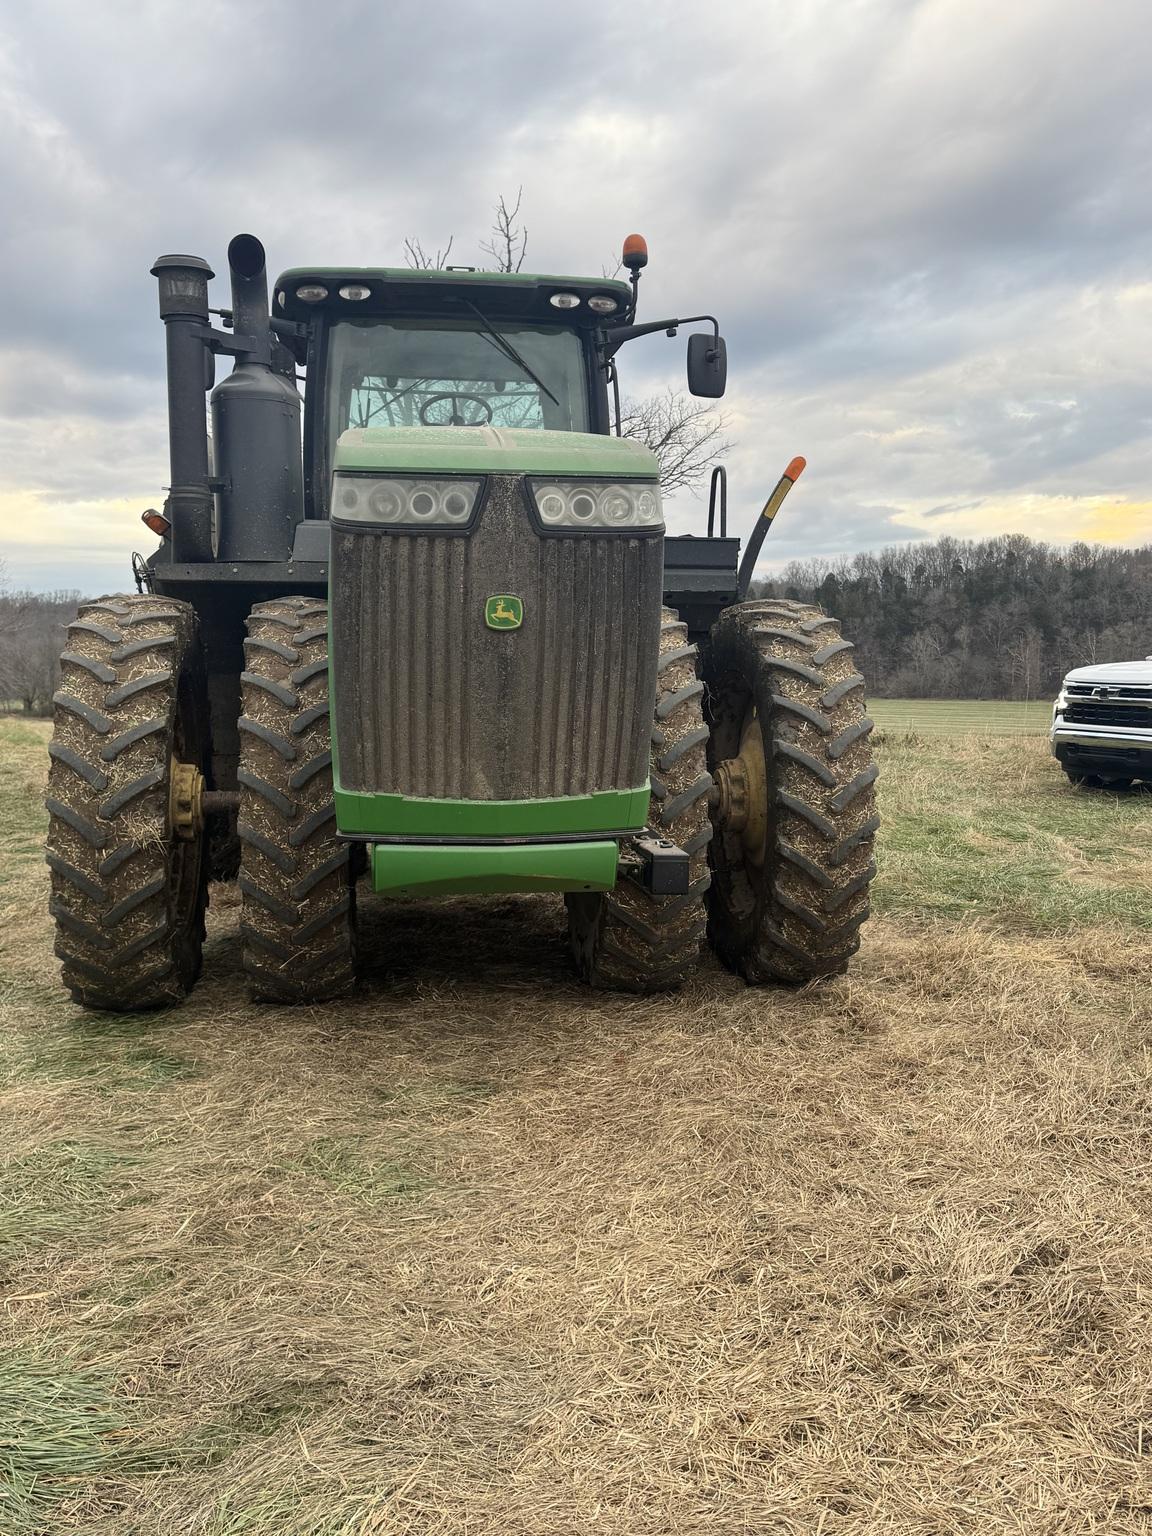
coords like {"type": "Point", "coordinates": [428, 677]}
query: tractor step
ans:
{"type": "Point", "coordinates": [400, 869]}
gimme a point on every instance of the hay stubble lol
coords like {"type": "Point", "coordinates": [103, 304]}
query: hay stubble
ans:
{"type": "Point", "coordinates": [480, 1251]}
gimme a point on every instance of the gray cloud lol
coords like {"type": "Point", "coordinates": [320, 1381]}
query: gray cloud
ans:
{"type": "Point", "coordinates": [923, 222]}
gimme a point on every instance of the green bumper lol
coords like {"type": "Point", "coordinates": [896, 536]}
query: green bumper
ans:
{"type": "Point", "coordinates": [414, 869]}
{"type": "Point", "coordinates": [608, 812]}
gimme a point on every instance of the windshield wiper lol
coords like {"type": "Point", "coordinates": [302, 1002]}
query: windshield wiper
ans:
{"type": "Point", "coordinates": [509, 350]}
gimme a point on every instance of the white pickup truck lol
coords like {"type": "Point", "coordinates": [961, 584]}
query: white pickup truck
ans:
{"type": "Point", "coordinates": [1102, 723]}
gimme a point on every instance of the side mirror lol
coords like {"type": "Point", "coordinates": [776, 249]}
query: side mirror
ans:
{"type": "Point", "coordinates": [707, 366]}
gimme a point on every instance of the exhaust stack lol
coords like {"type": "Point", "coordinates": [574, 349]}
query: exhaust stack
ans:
{"type": "Point", "coordinates": [255, 427]}
{"type": "Point", "coordinates": [250, 296]}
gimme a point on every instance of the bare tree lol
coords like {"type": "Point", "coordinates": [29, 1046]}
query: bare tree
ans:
{"type": "Point", "coordinates": [416, 257]}
{"type": "Point", "coordinates": [508, 244]}
{"type": "Point", "coordinates": [685, 435]}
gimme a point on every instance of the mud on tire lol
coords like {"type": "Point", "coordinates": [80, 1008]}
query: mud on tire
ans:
{"type": "Point", "coordinates": [128, 896]}
{"type": "Point", "coordinates": [798, 916]}
{"type": "Point", "coordinates": [626, 938]}
{"type": "Point", "coordinates": [297, 892]}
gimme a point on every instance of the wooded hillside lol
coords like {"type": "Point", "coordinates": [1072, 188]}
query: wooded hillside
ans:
{"type": "Point", "coordinates": [1003, 618]}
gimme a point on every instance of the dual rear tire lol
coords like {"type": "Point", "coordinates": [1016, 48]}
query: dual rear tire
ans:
{"type": "Point", "coordinates": [126, 843]}
{"type": "Point", "coordinates": [762, 770]}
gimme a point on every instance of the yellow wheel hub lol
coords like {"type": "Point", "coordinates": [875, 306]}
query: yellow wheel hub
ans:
{"type": "Point", "coordinates": [186, 800]}
{"type": "Point", "coordinates": [741, 801]}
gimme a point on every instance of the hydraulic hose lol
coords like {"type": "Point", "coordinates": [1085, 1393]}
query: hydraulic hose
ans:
{"type": "Point", "coordinates": [760, 528]}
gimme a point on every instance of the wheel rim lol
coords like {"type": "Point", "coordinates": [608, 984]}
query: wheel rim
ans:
{"type": "Point", "coordinates": [185, 824]}
{"type": "Point", "coordinates": [741, 806]}
{"type": "Point", "coordinates": [739, 803]}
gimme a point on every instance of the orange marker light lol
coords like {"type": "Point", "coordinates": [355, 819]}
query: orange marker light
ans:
{"type": "Point", "coordinates": [635, 252]}
{"type": "Point", "coordinates": [158, 523]}
{"type": "Point", "coordinates": [796, 468]}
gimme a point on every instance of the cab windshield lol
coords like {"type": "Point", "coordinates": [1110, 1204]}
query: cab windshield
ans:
{"type": "Point", "coordinates": [438, 373]}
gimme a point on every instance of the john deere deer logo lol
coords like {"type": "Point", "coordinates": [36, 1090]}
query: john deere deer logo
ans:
{"type": "Point", "coordinates": [504, 612]}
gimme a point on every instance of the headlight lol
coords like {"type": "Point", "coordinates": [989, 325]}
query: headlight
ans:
{"type": "Point", "coordinates": [412, 503]}
{"type": "Point", "coordinates": [596, 505]}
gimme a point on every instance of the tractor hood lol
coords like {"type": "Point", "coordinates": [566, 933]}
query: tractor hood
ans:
{"type": "Point", "coordinates": [493, 451]}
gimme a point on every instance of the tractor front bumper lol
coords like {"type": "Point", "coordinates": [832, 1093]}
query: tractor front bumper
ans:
{"type": "Point", "coordinates": [446, 869]}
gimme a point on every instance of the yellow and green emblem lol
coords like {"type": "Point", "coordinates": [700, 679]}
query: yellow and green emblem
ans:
{"type": "Point", "coordinates": [504, 612]}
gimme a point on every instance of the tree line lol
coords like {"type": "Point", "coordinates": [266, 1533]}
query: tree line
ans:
{"type": "Point", "coordinates": [1001, 618]}
{"type": "Point", "coordinates": [32, 635]}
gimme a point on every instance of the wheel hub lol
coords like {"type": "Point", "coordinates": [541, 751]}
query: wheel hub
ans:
{"type": "Point", "coordinates": [186, 800]}
{"type": "Point", "coordinates": [741, 799]}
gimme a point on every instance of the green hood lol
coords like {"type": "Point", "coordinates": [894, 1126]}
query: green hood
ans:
{"type": "Point", "coordinates": [493, 451]}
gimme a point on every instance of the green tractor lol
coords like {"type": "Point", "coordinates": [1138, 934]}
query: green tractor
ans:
{"type": "Point", "coordinates": [424, 630]}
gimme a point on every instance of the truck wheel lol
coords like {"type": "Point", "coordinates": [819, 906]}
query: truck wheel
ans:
{"type": "Point", "coordinates": [794, 807]}
{"type": "Point", "coordinates": [128, 752]}
{"type": "Point", "coordinates": [626, 938]}
{"type": "Point", "coordinates": [1084, 780]}
{"type": "Point", "coordinates": [296, 890]}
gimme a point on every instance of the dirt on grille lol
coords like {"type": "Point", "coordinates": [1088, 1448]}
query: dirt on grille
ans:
{"type": "Point", "coordinates": [481, 1251]}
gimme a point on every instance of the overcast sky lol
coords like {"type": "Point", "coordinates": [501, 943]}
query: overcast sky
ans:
{"type": "Point", "coordinates": [925, 225]}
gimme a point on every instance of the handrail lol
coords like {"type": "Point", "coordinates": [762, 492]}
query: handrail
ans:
{"type": "Point", "coordinates": [719, 474]}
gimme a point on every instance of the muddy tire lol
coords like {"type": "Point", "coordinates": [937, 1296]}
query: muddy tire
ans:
{"type": "Point", "coordinates": [627, 939]}
{"type": "Point", "coordinates": [128, 894]}
{"type": "Point", "coordinates": [792, 866]}
{"type": "Point", "coordinates": [296, 887]}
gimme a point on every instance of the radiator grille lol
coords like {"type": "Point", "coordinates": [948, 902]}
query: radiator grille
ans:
{"type": "Point", "coordinates": [1088, 712]}
{"type": "Point", "coordinates": [430, 702]}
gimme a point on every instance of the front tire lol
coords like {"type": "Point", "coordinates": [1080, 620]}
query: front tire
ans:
{"type": "Point", "coordinates": [129, 873]}
{"type": "Point", "coordinates": [794, 812]}
{"type": "Point", "coordinates": [627, 939]}
{"type": "Point", "coordinates": [296, 888]}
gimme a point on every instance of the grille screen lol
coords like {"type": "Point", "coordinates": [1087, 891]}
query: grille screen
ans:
{"type": "Point", "coordinates": [1089, 712]}
{"type": "Point", "coordinates": [431, 702]}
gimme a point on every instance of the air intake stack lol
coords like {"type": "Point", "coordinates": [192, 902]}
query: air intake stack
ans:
{"type": "Point", "coordinates": [183, 282]}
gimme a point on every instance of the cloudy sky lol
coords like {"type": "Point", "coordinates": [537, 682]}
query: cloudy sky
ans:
{"type": "Point", "coordinates": [926, 226]}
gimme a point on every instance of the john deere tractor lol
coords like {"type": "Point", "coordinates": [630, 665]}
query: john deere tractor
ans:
{"type": "Point", "coordinates": [423, 631]}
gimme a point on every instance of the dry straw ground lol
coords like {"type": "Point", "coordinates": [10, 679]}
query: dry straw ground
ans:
{"type": "Point", "coordinates": [487, 1253]}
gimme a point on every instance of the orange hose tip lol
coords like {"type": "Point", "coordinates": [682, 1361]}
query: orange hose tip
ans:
{"type": "Point", "coordinates": [796, 468]}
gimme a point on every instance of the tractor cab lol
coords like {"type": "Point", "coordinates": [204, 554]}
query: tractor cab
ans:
{"type": "Point", "coordinates": [407, 349]}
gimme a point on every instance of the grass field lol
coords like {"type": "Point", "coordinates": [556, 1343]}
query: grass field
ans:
{"type": "Point", "coordinates": [951, 717]}
{"type": "Point", "coordinates": [485, 1254]}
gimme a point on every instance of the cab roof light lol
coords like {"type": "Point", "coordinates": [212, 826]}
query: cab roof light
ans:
{"type": "Point", "coordinates": [635, 257]}
{"type": "Point", "coordinates": [312, 293]}
{"type": "Point", "coordinates": [635, 254]}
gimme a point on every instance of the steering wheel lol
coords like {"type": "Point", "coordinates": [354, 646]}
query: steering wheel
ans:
{"type": "Point", "coordinates": [457, 418]}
